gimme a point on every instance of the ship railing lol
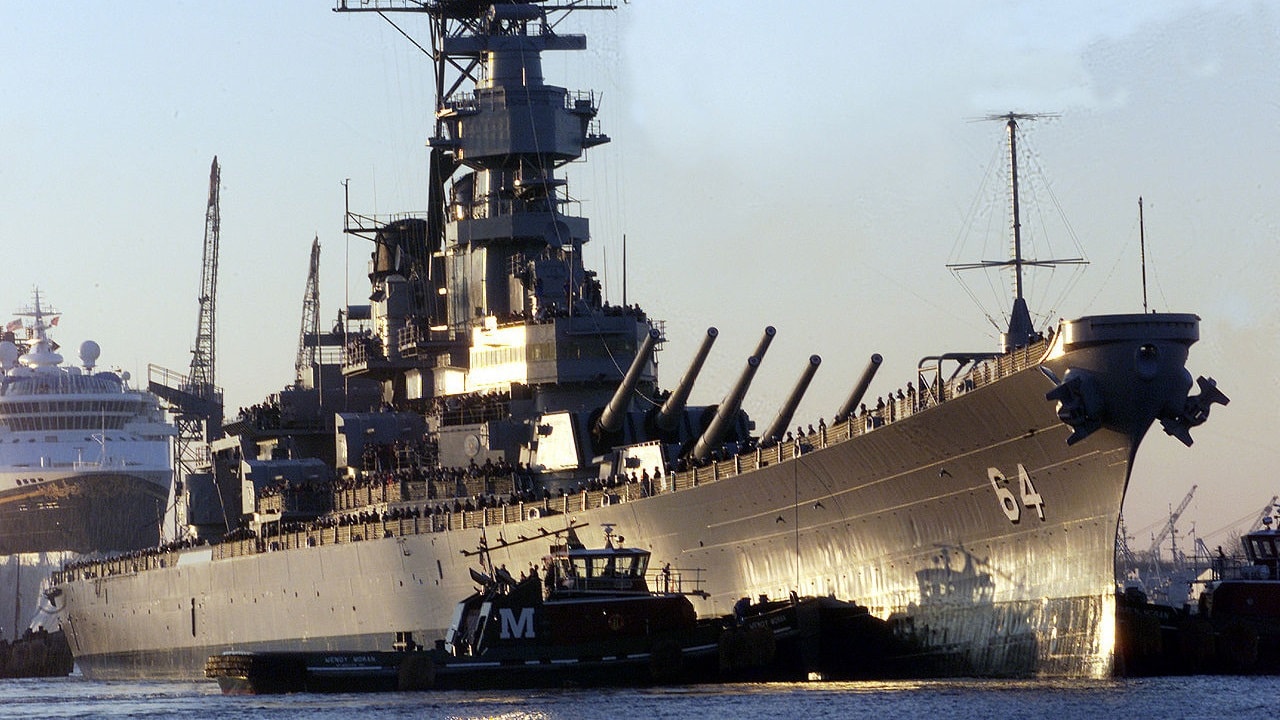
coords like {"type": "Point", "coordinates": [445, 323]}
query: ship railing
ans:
{"type": "Point", "coordinates": [683, 581]}
{"type": "Point", "coordinates": [477, 412]}
{"type": "Point", "coordinates": [896, 406]}
{"type": "Point", "coordinates": [935, 389]}
{"type": "Point", "coordinates": [413, 336]}
{"type": "Point", "coordinates": [580, 99]}
{"type": "Point", "coordinates": [462, 101]}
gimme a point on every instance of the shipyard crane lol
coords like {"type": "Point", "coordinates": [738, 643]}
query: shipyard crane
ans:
{"type": "Point", "coordinates": [1268, 511]}
{"type": "Point", "coordinates": [1124, 553]}
{"type": "Point", "coordinates": [309, 352]}
{"type": "Point", "coordinates": [1168, 528]}
{"type": "Point", "coordinates": [195, 399]}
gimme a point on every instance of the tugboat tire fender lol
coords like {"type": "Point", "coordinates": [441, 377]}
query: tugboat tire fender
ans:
{"type": "Point", "coordinates": [417, 672]}
{"type": "Point", "coordinates": [746, 648]}
{"type": "Point", "coordinates": [666, 660]}
{"type": "Point", "coordinates": [1238, 648]}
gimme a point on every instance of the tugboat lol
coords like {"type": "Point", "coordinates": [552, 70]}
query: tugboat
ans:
{"type": "Point", "coordinates": [1232, 627]}
{"type": "Point", "coordinates": [589, 618]}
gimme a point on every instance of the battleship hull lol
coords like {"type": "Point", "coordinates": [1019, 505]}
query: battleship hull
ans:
{"type": "Point", "coordinates": [81, 511]}
{"type": "Point", "coordinates": [971, 524]}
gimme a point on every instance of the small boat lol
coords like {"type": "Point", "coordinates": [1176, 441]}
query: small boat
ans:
{"type": "Point", "coordinates": [589, 617]}
{"type": "Point", "coordinates": [1232, 624]}
{"type": "Point", "coordinates": [37, 654]}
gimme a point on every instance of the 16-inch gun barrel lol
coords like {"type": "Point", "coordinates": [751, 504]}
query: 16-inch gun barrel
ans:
{"type": "Point", "coordinates": [779, 425]}
{"type": "Point", "coordinates": [668, 418]}
{"type": "Point", "coordinates": [611, 419]}
{"type": "Point", "coordinates": [727, 411]}
{"type": "Point", "coordinates": [765, 339]}
{"type": "Point", "coordinates": [860, 389]}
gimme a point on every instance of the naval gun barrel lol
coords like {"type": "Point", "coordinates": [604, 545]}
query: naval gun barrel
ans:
{"type": "Point", "coordinates": [860, 389]}
{"type": "Point", "coordinates": [726, 412]}
{"type": "Point", "coordinates": [765, 339]}
{"type": "Point", "coordinates": [669, 416]}
{"type": "Point", "coordinates": [783, 419]}
{"type": "Point", "coordinates": [611, 419]}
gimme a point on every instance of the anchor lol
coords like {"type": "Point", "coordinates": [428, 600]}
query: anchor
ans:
{"type": "Point", "coordinates": [1080, 402]}
{"type": "Point", "coordinates": [1178, 421]}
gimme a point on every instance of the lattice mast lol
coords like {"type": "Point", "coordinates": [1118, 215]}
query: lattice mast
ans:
{"type": "Point", "coordinates": [309, 352]}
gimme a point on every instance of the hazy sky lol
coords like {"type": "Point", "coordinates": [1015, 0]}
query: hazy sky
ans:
{"type": "Point", "coordinates": [810, 168]}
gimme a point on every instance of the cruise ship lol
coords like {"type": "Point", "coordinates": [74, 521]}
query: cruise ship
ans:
{"type": "Point", "coordinates": [493, 399]}
{"type": "Point", "coordinates": [86, 460]}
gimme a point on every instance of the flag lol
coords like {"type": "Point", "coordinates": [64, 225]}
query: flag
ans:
{"type": "Point", "coordinates": [54, 321]}
{"type": "Point", "coordinates": [13, 326]}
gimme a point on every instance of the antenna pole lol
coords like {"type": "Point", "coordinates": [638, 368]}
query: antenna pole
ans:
{"type": "Point", "coordinates": [1142, 245]}
{"type": "Point", "coordinates": [624, 270]}
{"type": "Point", "coordinates": [1012, 125]}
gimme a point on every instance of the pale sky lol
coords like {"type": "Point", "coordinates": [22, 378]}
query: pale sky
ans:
{"type": "Point", "coordinates": [813, 169]}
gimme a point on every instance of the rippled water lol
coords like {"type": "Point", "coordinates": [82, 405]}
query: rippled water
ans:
{"type": "Point", "coordinates": [1164, 698]}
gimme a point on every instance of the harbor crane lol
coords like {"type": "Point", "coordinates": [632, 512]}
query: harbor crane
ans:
{"type": "Point", "coordinates": [308, 349]}
{"type": "Point", "coordinates": [195, 399]}
{"type": "Point", "coordinates": [1268, 511]}
{"type": "Point", "coordinates": [1169, 528]}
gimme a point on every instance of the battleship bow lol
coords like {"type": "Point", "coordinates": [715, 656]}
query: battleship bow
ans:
{"type": "Point", "coordinates": [1126, 371]}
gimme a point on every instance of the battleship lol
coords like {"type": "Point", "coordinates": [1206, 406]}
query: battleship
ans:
{"type": "Point", "coordinates": [488, 396]}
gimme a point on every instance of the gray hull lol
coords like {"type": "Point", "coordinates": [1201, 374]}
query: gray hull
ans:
{"type": "Point", "coordinates": [972, 524]}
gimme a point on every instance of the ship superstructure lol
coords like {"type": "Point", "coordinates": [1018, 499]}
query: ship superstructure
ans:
{"type": "Point", "coordinates": [85, 459]}
{"type": "Point", "coordinates": [976, 510]}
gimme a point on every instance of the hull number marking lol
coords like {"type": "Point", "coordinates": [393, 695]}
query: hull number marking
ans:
{"type": "Point", "coordinates": [1027, 495]}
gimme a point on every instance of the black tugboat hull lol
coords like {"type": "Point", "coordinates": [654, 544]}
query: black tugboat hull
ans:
{"type": "Point", "coordinates": [774, 641]}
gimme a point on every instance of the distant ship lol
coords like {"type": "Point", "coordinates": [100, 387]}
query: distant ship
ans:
{"type": "Point", "coordinates": [488, 395]}
{"type": "Point", "coordinates": [86, 463]}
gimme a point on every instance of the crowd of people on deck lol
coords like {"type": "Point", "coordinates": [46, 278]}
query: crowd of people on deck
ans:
{"type": "Point", "coordinates": [264, 415]}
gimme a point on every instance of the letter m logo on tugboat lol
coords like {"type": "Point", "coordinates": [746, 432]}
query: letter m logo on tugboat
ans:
{"type": "Point", "coordinates": [513, 627]}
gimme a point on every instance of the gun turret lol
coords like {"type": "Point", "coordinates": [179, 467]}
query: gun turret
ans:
{"type": "Point", "coordinates": [860, 389]}
{"type": "Point", "coordinates": [726, 412]}
{"type": "Point", "coordinates": [611, 419]}
{"type": "Point", "coordinates": [783, 419]}
{"type": "Point", "coordinates": [668, 418]}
